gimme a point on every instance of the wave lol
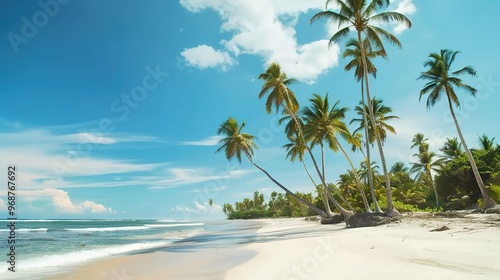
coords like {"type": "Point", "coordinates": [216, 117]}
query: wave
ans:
{"type": "Point", "coordinates": [108, 228]}
{"type": "Point", "coordinates": [173, 225]}
{"type": "Point", "coordinates": [75, 257]}
{"type": "Point", "coordinates": [26, 230]}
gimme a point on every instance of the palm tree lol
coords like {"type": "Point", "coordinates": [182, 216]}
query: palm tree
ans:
{"type": "Point", "coordinates": [236, 143]}
{"type": "Point", "coordinates": [322, 124]}
{"type": "Point", "coordinates": [380, 111]}
{"type": "Point", "coordinates": [425, 165]}
{"type": "Point", "coordinates": [353, 50]}
{"type": "Point", "coordinates": [359, 14]}
{"type": "Point", "coordinates": [399, 167]}
{"type": "Point", "coordinates": [276, 82]}
{"type": "Point", "coordinates": [451, 149]}
{"type": "Point", "coordinates": [486, 143]}
{"type": "Point", "coordinates": [419, 141]}
{"type": "Point", "coordinates": [442, 81]}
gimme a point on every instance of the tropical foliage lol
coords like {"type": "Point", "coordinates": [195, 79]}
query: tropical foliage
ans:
{"type": "Point", "coordinates": [448, 177]}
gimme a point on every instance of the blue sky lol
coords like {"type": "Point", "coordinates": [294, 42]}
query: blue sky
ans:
{"type": "Point", "coordinates": [110, 108]}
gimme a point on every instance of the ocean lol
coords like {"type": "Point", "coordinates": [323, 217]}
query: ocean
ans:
{"type": "Point", "coordinates": [47, 247]}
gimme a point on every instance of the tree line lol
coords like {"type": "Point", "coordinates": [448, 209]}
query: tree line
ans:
{"type": "Point", "coordinates": [321, 125]}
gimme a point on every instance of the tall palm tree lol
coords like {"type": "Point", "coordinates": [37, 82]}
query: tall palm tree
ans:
{"type": "Point", "coordinates": [451, 149]}
{"type": "Point", "coordinates": [441, 80]}
{"type": "Point", "coordinates": [276, 83]}
{"type": "Point", "coordinates": [486, 143]}
{"type": "Point", "coordinates": [381, 117]}
{"type": "Point", "coordinates": [235, 143]}
{"type": "Point", "coordinates": [360, 14]}
{"type": "Point", "coordinates": [322, 124]}
{"type": "Point", "coordinates": [419, 141]}
{"type": "Point", "coordinates": [426, 162]}
{"type": "Point", "coordinates": [353, 50]}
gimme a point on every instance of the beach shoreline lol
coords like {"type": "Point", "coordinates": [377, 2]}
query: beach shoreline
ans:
{"type": "Point", "coordinates": [418, 247]}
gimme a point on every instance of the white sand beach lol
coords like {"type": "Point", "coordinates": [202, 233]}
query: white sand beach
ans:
{"type": "Point", "coordinates": [462, 248]}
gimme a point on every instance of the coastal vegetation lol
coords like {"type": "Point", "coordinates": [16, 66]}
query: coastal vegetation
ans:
{"type": "Point", "coordinates": [452, 179]}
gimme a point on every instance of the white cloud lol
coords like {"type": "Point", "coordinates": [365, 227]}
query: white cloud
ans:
{"type": "Point", "coordinates": [199, 208]}
{"type": "Point", "coordinates": [204, 56]}
{"type": "Point", "coordinates": [46, 159]}
{"type": "Point", "coordinates": [405, 7]}
{"type": "Point", "coordinates": [209, 141]}
{"type": "Point", "coordinates": [61, 202]}
{"type": "Point", "coordinates": [265, 28]}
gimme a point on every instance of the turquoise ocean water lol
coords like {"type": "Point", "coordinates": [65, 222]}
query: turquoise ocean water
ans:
{"type": "Point", "coordinates": [45, 247]}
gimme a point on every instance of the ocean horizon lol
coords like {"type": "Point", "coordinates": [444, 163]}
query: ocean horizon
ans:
{"type": "Point", "coordinates": [49, 247]}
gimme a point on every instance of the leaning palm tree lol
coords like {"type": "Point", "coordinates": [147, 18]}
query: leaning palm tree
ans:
{"type": "Point", "coordinates": [322, 124]}
{"type": "Point", "coordinates": [353, 50]}
{"type": "Point", "coordinates": [235, 143]}
{"type": "Point", "coordinates": [442, 81]}
{"type": "Point", "coordinates": [276, 84]}
{"type": "Point", "coordinates": [452, 149]}
{"type": "Point", "coordinates": [359, 15]}
{"type": "Point", "coordinates": [381, 118]}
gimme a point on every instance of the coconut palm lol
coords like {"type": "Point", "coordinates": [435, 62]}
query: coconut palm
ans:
{"type": "Point", "coordinates": [381, 117]}
{"type": "Point", "coordinates": [276, 82]}
{"type": "Point", "coordinates": [235, 143]}
{"type": "Point", "coordinates": [451, 149]}
{"type": "Point", "coordinates": [359, 15]}
{"type": "Point", "coordinates": [322, 124]}
{"type": "Point", "coordinates": [442, 81]}
{"type": "Point", "coordinates": [486, 143]}
{"type": "Point", "coordinates": [426, 163]}
{"type": "Point", "coordinates": [419, 141]}
{"type": "Point", "coordinates": [353, 50]}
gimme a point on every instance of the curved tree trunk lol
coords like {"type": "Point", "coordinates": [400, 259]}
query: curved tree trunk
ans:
{"type": "Point", "coordinates": [358, 183]}
{"type": "Point", "coordinates": [306, 203]}
{"type": "Point", "coordinates": [367, 143]}
{"type": "Point", "coordinates": [428, 171]}
{"type": "Point", "coordinates": [388, 191]}
{"type": "Point", "coordinates": [488, 202]}
{"type": "Point", "coordinates": [345, 213]}
{"type": "Point", "coordinates": [325, 190]}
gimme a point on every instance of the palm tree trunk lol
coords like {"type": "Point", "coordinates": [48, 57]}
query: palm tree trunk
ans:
{"type": "Point", "coordinates": [325, 192]}
{"type": "Point", "coordinates": [434, 187]}
{"type": "Point", "coordinates": [367, 143]}
{"type": "Point", "coordinates": [388, 191]}
{"type": "Point", "coordinates": [345, 213]}
{"type": "Point", "coordinates": [358, 183]}
{"type": "Point", "coordinates": [488, 202]}
{"type": "Point", "coordinates": [306, 203]}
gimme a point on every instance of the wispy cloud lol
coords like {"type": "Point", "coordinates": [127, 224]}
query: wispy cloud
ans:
{"type": "Point", "coordinates": [209, 141]}
{"type": "Point", "coordinates": [198, 208]}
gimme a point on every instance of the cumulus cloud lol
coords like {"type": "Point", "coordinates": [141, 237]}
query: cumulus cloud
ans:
{"type": "Point", "coordinates": [204, 56]}
{"type": "Point", "coordinates": [61, 202]}
{"type": "Point", "coordinates": [266, 28]}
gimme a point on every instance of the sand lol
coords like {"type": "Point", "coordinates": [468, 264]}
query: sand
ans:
{"type": "Point", "coordinates": [418, 247]}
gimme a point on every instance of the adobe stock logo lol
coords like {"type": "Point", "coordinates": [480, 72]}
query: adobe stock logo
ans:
{"type": "Point", "coordinates": [30, 27]}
